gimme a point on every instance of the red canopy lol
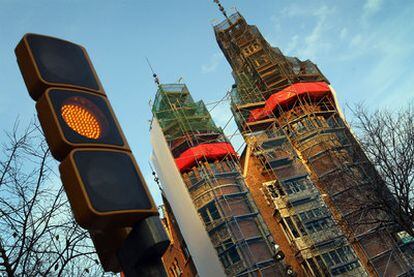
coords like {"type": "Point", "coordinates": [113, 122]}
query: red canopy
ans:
{"type": "Point", "coordinates": [315, 90]}
{"type": "Point", "coordinates": [210, 151]}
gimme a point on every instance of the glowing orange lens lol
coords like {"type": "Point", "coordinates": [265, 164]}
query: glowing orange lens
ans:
{"type": "Point", "coordinates": [81, 120]}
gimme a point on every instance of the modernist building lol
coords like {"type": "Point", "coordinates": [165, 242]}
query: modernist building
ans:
{"type": "Point", "coordinates": [305, 170]}
{"type": "Point", "coordinates": [206, 194]}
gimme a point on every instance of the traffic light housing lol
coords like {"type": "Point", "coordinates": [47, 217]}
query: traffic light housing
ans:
{"type": "Point", "coordinates": [72, 118]}
{"type": "Point", "coordinates": [104, 187]}
{"type": "Point", "coordinates": [102, 180]}
{"type": "Point", "coordinates": [51, 62]}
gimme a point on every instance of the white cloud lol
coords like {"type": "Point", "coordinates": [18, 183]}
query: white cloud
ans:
{"type": "Point", "coordinates": [372, 6]}
{"type": "Point", "coordinates": [388, 79]}
{"type": "Point", "coordinates": [343, 33]}
{"type": "Point", "coordinates": [212, 65]}
{"type": "Point", "coordinates": [296, 10]}
{"type": "Point", "coordinates": [293, 44]}
{"type": "Point", "coordinates": [375, 50]}
{"type": "Point", "coordinates": [356, 41]}
{"type": "Point", "coordinates": [316, 41]}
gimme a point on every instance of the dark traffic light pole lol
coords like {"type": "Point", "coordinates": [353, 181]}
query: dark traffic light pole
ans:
{"type": "Point", "coordinates": [103, 182]}
{"type": "Point", "coordinates": [140, 255]}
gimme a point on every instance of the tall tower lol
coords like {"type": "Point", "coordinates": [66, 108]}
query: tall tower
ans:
{"type": "Point", "coordinates": [305, 170]}
{"type": "Point", "coordinates": [210, 186]}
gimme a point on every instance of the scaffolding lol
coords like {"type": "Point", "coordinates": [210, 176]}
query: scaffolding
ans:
{"type": "Point", "coordinates": [344, 174]}
{"type": "Point", "coordinates": [312, 168]}
{"type": "Point", "coordinates": [257, 64]}
{"type": "Point", "coordinates": [210, 169]}
{"type": "Point", "coordinates": [299, 208]}
{"type": "Point", "coordinates": [186, 123]}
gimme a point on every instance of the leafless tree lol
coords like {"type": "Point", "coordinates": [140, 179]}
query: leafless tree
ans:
{"type": "Point", "coordinates": [38, 236]}
{"type": "Point", "coordinates": [387, 139]}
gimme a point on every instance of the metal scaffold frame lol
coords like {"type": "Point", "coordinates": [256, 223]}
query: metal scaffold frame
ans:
{"type": "Point", "coordinates": [260, 72]}
{"type": "Point", "coordinates": [306, 245]}
{"type": "Point", "coordinates": [286, 121]}
{"type": "Point", "coordinates": [224, 188]}
{"type": "Point", "coordinates": [332, 141]}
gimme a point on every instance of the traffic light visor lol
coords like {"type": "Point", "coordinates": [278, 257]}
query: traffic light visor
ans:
{"type": "Point", "coordinates": [111, 181]}
{"type": "Point", "coordinates": [105, 188]}
{"type": "Point", "coordinates": [51, 62]}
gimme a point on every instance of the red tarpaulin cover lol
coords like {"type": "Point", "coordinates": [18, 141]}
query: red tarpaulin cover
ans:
{"type": "Point", "coordinates": [212, 151]}
{"type": "Point", "coordinates": [315, 90]}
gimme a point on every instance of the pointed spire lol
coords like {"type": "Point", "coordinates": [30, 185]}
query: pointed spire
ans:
{"type": "Point", "coordinates": [223, 11]}
{"type": "Point", "coordinates": [154, 75]}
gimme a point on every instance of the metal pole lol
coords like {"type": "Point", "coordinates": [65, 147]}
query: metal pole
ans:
{"type": "Point", "coordinates": [141, 253]}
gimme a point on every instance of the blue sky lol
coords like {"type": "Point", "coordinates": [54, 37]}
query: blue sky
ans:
{"type": "Point", "coordinates": [365, 48]}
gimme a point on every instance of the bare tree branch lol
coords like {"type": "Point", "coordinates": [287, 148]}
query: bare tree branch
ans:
{"type": "Point", "coordinates": [387, 138]}
{"type": "Point", "coordinates": [38, 235]}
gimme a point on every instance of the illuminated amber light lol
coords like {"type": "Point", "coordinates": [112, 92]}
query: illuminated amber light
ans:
{"type": "Point", "coordinates": [81, 120]}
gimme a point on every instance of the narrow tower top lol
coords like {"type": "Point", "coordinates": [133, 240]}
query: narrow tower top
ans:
{"type": "Point", "coordinates": [223, 11]}
{"type": "Point", "coordinates": [154, 75]}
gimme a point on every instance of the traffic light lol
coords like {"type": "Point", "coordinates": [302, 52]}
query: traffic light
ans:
{"type": "Point", "coordinates": [51, 62]}
{"type": "Point", "coordinates": [101, 178]}
{"type": "Point", "coordinates": [73, 118]}
{"type": "Point", "coordinates": [105, 187]}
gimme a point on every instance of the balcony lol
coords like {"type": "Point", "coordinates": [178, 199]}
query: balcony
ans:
{"type": "Point", "coordinates": [273, 141]}
{"type": "Point", "coordinates": [318, 239]}
{"type": "Point", "coordinates": [301, 197]}
{"type": "Point", "coordinates": [296, 199]}
{"type": "Point", "coordinates": [259, 125]}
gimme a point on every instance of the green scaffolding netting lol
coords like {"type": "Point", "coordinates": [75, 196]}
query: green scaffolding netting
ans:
{"type": "Point", "coordinates": [179, 115]}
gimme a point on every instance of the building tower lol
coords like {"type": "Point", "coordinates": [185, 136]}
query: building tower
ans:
{"type": "Point", "coordinates": [305, 170]}
{"type": "Point", "coordinates": [209, 190]}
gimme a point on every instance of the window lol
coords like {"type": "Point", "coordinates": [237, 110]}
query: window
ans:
{"type": "Point", "coordinates": [200, 171]}
{"type": "Point", "coordinates": [285, 228]}
{"type": "Point", "coordinates": [300, 226]}
{"type": "Point", "coordinates": [298, 127]}
{"type": "Point", "coordinates": [321, 122]}
{"type": "Point", "coordinates": [234, 255]}
{"type": "Point", "coordinates": [313, 266]}
{"type": "Point", "coordinates": [316, 220]}
{"type": "Point", "coordinates": [312, 214]}
{"type": "Point", "coordinates": [292, 227]}
{"type": "Point", "coordinates": [322, 266]}
{"type": "Point", "coordinates": [339, 256]}
{"type": "Point", "coordinates": [261, 60]}
{"type": "Point", "coordinates": [192, 178]}
{"type": "Point", "coordinates": [175, 269]}
{"type": "Point", "coordinates": [228, 166]}
{"type": "Point", "coordinates": [295, 186]}
{"type": "Point", "coordinates": [332, 123]}
{"type": "Point", "coordinates": [225, 260]}
{"type": "Point", "coordinates": [229, 254]}
{"type": "Point", "coordinates": [209, 213]}
{"type": "Point", "coordinates": [345, 268]}
{"type": "Point", "coordinates": [272, 191]}
{"type": "Point", "coordinates": [318, 225]}
{"type": "Point", "coordinates": [214, 168]}
{"type": "Point", "coordinates": [307, 268]}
